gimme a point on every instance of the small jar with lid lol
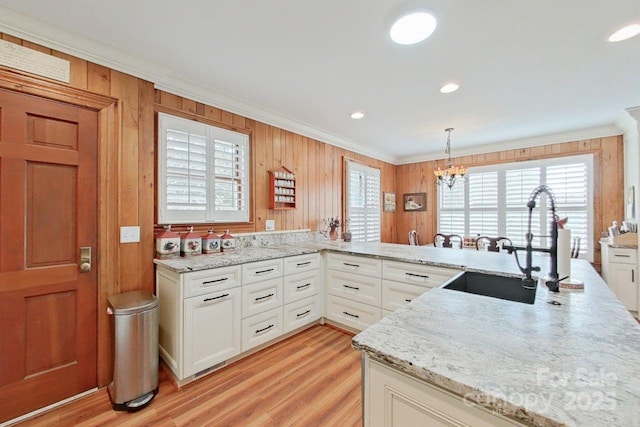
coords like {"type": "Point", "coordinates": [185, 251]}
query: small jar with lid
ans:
{"type": "Point", "coordinates": [167, 244]}
{"type": "Point", "coordinates": [190, 243]}
{"type": "Point", "coordinates": [227, 242]}
{"type": "Point", "coordinates": [210, 243]}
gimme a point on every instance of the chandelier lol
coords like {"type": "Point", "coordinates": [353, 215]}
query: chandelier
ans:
{"type": "Point", "coordinates": [451, 174]}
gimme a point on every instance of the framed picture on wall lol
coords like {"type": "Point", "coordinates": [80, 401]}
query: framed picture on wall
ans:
{"type": "Point", "coordinates": [415, 201]}
{"type": "Point", "coordinates": [389, 202]}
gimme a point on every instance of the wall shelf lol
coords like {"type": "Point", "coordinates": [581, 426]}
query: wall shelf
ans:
{"type": "Point", "coordinates": [282, 189]}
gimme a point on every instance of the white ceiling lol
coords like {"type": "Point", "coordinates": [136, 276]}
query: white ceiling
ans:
{"type": "Point", "coordinates": [527, 69]}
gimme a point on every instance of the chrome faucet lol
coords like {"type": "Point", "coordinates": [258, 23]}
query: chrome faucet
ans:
{"type": "Point", "coordinates": [528, 282]}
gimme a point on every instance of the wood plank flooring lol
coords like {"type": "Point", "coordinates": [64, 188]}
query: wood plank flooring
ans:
{"type": "Point", "coordinates": [310, 379]}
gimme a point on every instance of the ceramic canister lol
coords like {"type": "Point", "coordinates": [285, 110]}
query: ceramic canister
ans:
{"type": "Point", "coordinates": [210, 243]}
{"type": "Point", "coordinates": [190, 243]}
{"type": "Point", "coordinates": [227, 242]}
{"type": "Point", "coordinates": [167, 244]}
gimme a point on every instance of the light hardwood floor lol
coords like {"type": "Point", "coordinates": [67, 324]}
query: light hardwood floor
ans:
{"type": "Point", "coordinates": [310, 379]}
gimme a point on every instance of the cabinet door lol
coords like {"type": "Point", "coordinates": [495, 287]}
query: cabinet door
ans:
{"type": "Point", "coordinates": [354, 264]}
{"type": "Point", "coordinates": [393, 399]}
{"type": "Point", "coordinates": [262, 296]}
{"type": "Point", "coordinates": [396, 294]}
{"type": "Point", "coordinates": [355, 287]}
{"type": "Point", "coordinates": [301, 313]}
{"type": "Point", "coordinates": [352, 314]}
{"type": "Point", "coordinates": [261, 328]}
{"type": "Point", "coordinates": [301, 285]}
{"type": "Point", "coordinates": [262, 270]}
{"type": "Point", "coordinates": [212, 329]}
{"type": "Point", "coordinates": [300, 263]}
{"type": "Point", "coordinates": [416, 274]}
{"type": "Point", "coordinates": [623, 282]}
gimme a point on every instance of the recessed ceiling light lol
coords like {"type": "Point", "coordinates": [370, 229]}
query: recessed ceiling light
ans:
{"type": "Point", "coordinates": [412, 27]}
{"type": "Point", "coordinates": [357, 115]}
{"type": "Point", "coordinates": [449, 87]}
{"type": "Point", "coordinates": [625, 33]}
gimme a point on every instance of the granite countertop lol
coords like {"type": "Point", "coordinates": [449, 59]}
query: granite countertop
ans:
{"type": "Point", "coordinates": [235, 257]}
{"type": "Point", "coordinates": [575, 364]}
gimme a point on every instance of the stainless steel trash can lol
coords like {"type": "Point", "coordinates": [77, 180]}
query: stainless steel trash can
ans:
{"type": "Point", "coordinates": [134, 326]}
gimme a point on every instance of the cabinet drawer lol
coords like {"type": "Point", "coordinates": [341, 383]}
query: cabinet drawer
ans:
{"type": "Point", "coordinates": [301, 285]}
{"type": "Point", "coordinates": [301, 313]}
{"type": "Point", "coordinates": [262, 296]}
{"type": "Point", "coordinates": [623, 255]}
{"type": "Point", "coordinates": [397, 294]}
{"type": "Point", "coordinates": [202, 282]}
{"type": "Point", "coordinates": [355, 287]}
{"type": "Point", "coordinates": [261, 328]}
{"type": "Point", "coordinates": [416, 274]}
{"type": "Point", "coordinates": [354, 264]}
{"type": "Point", "coordinates": [261, 270]}
{"type": "Point", "coordinates": [350, 313]}
{"type": "Point", "coordinates": [299, 263]}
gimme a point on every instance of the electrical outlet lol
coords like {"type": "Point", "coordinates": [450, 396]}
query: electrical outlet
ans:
{"type": "Point", "coordinates": [130, 234]}
{"type": "Point", "coordinates": [270, 225]}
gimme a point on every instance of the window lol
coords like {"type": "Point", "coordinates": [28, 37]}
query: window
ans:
{"type": "Point", "coordinates": [363, 202]}
{"type": "Point", "coordinates": [494, 198]}
{"type": "Point", "coordinates": [202, 172]}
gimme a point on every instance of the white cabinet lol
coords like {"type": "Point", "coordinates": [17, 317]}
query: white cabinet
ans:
{"type": "Point", "coordinates": [394, 399]}
{"type": "Point", "coordinates": [200, 318]}
{"type": "Point", "coordinates": [619, 270]}
{"type": "Point", "coordinates": [211, 329]}
{"type": "Point", "coordinates": [402, 281]}
{"type": "Point", "coordinates": [302, 282]}
{"type": "Point", "coordinates": [354, 290]}
{"type": "Point", "coordinates": [262, 296]}
{"type": "Point", "coordinates": [261, 328]}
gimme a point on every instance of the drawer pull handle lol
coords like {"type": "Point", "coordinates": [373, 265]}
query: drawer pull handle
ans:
{"type": "Point", "coordinates": [633, 276]}
{"type": "Point", "coordinates": [264, 271]}
{"type": "Point", "coordinates": [424, 276]}
{"type": "Point", "coordinates": [408, 300]}
{"type": "Point", "coordinates": [352, 315]}
{"type": "Point", "coordinates": [264, 329]}
{"type": "Point", "coordinates": [302, 264]}
{"type": "Point", "coordinates": [622, 256]}
{"type": "Point", "coordinates": [215, 281]}
{"type": "Point", "coordinates": [351, 287]}
{"type": "Point", "coordinates": [351, 265]}
{"type": "Point", "coordinates": [306, 285]}
{"type": "Point", "coordinates": [215, 298]}
{"type": "Point", "coordinates": [304, 313]}
{"type": "Point", "coordinates": [264, 297]}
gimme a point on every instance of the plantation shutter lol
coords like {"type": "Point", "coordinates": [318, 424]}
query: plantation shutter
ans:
{"type": "Point", "coordinates": [451, 212]}
{"type": "Point", "coordinates": [518, 186]}
{"type": "Point", "coordinates": [202, 172]}
{"type": "Point", "coordinates": [363, 202]}
{"type": "Point", "coordinates": [483, 204]}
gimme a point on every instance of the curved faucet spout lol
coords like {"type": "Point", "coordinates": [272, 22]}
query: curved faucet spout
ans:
{"type": "Point", "coordinates": [528, 282]}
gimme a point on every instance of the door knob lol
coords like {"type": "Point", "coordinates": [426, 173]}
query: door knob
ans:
{"type": "Point", "coordinates": [85, 259]}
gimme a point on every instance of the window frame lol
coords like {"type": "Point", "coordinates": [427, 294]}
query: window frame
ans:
{"type": "Point", "coordinates": [210, 132]}
{"type": "Point", "coordinates": [541, 222]}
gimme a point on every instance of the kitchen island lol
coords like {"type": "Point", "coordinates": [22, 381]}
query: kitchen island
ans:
{"type": "Point", "coordinates": [575, 362]}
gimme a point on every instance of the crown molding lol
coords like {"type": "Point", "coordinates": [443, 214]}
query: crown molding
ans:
{"type": "Point", "coordinates": [42, 33]}
{"type": "Point", "coordinates": [554, 138]}
{"type": "Point", "coordinates": [205, 95]}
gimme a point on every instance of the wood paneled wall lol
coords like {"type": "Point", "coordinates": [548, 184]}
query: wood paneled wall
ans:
{"type": "Point", "coordinates": [318, 168]}
{"type": "Point", "coordinates": [126, 187]}
{"type": "Point", "coordinates": [608, 170]}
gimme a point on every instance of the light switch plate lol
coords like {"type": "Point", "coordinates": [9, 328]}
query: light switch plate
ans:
{"type": "Point", "coordinates": [130, 234]}
{"type": "Point", "coordinates": [270, 225]}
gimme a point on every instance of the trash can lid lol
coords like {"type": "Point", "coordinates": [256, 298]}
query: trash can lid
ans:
{"type": "Point", "coordinates": [132, 302]}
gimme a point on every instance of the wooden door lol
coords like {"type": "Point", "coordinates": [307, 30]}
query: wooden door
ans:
{"type": "Point", "coordinates": [48, 322]}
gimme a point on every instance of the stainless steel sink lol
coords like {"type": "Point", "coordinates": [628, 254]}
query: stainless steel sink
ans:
{"type": "Point", "coordinates": [507, 288]}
